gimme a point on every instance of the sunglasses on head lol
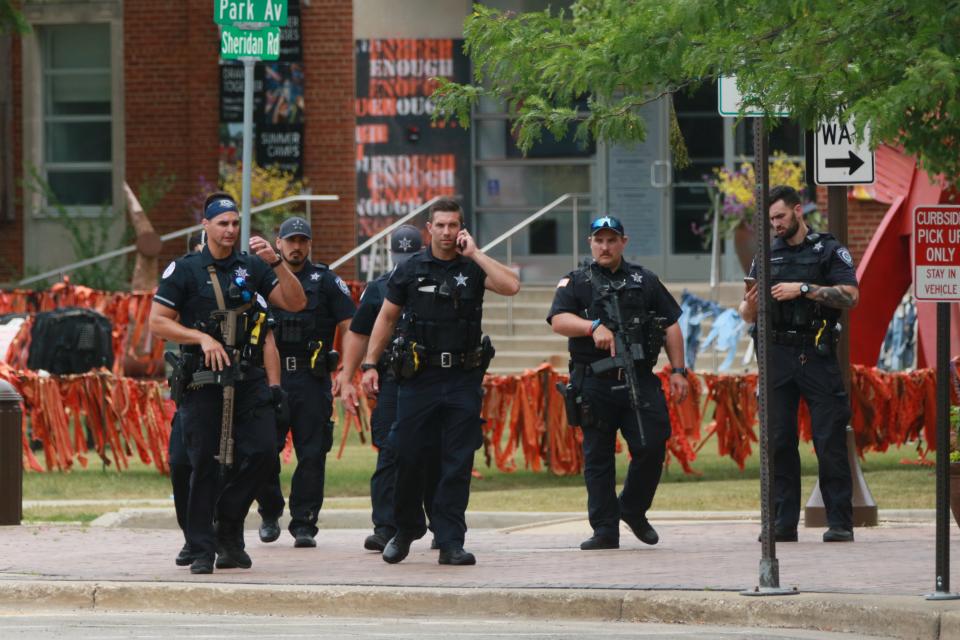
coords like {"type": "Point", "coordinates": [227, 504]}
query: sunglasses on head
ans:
{"type": "Point", "coordinates": [606, 222]}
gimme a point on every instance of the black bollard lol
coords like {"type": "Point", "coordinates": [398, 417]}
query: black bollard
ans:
{"type": "Point", "coordinates": [11, 456]}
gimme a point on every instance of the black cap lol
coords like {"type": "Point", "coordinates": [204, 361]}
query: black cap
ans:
{"type": "Point", "coordinates": [295, 226]}
{"type": "Point", "coordinates": [405, 241]}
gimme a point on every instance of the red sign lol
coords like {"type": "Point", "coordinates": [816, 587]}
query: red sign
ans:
{"type": "Point", "coordinates": [936, 253]}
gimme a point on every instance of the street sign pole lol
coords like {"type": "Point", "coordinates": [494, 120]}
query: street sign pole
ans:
{"type": "Point", "coordinates": [247, 152]}
{"type": "Point", "coordinates": [769, 583]}
{"type": "Point", "coordinates": [943, 456]}
{"type": "Point", "coordinates": [936, 278]}
{"type": "Point", "coordinates": [249, 33]}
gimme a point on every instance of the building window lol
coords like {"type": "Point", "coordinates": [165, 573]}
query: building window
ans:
{"type": "Point", "coordinates": [77, 141]}
{"type": "Point", "coordinates": [702, 129]}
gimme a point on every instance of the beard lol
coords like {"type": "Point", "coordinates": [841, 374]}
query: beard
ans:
{"type": "Point", "coordinates": [296, 262]}
{"type": "Point", "coordinates": [791, 230]}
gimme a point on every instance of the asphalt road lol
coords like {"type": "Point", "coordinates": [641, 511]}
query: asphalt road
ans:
{"type": "Point", "coordinates": [85, 625]}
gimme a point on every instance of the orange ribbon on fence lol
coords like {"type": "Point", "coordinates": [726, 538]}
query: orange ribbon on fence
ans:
{"type": "Point", "coordinates": [122, 415]}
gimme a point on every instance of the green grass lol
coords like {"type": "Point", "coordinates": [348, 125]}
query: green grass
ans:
{"type": "Point", "coordinates": [720, 486]}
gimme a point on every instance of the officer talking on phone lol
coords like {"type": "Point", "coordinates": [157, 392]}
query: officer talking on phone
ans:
{"type": "Point", "coordinates": [442, 362]}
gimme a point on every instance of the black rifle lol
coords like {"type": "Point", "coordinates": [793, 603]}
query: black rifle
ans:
{"type": "Point", "coordinates": [227, 378]}
{"type": "Point", "coordinates": [628, 350]}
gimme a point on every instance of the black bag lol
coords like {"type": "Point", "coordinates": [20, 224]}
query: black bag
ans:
{"type": "Point", "coordinates": [70, 340]}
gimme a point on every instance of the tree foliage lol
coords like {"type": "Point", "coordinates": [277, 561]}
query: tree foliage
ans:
{"type": "Point", "coordinates": [892, 63]}
{"type": "Point", "coordinates": [11, 20]}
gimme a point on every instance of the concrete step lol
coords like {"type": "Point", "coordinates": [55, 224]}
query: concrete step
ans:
{"type": "Point", "coordinates": [528, 293]}
{"type": "Point", "coordinates": [521, 327]}
{"type": "Point", "coordinates": [521, 311]}
{"type": "Point", "coordinates": [548, 343]}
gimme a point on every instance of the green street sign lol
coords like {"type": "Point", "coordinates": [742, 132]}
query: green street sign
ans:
{"type": "Point", "coordinates": [271, 13]}
{"type": "Point", "coordinates": [241, 43]}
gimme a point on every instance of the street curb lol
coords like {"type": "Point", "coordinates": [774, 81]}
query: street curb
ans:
{"type": "Point", "coordinates": [904, 617]}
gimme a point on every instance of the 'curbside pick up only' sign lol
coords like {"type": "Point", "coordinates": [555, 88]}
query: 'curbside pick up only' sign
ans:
{"type": "Point", "coordinates": [936, 253]}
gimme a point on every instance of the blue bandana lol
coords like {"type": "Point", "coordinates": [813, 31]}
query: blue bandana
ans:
{"type": "Point", "coordinates": [217, 207]}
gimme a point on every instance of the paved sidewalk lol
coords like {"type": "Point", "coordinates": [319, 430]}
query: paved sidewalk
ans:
{"type": "Point", "coordinates": [857, 586]}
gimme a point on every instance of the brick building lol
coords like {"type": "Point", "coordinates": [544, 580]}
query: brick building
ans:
{"type": "Point", "coordinates": [105, 91]}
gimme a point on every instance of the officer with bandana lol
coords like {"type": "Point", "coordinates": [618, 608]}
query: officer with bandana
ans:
{"type": "Point", "coordinates": [308, 364]}
{"type": "Point", "coordinates": [440, 293]}
{"type": "Point", "coordinates": [813, 282]}
{"type": "Point", "coordinates": [578, 314]}
{"type": "Point", "coordinates": [183, 312]}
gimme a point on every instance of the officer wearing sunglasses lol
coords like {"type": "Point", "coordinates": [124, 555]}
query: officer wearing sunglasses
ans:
{"type": "Point", "coordinates": [604, 403]}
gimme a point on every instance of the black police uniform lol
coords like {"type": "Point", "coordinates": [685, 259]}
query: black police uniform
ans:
{"type": "Point", "coordinates": [383, 480]}
{"type": "Point", "coordinates": [180, 471]}
{"type": "Point", "coordinates": [443, 301]}
{"type": "Point", "coordinates": [298, 336]}
{"type": "Point", "coordinates": [610, 408]}
{"type": "Point", "coordinates": [804, 363]}
{"type": "Point", "coordinates": [186, 287]}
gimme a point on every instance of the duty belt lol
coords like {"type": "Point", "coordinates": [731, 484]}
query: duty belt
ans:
{"type": "Point", "coordinates": [448, 360]}
{"type": "Point", "coordinates": [794, 339]}
{"type": "Point", "coordinates": [580, 368]}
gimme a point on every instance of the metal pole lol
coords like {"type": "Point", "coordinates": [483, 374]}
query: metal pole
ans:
{"type": "Point", "coordinates": [11, 456]}
{"type": "Point", "coordinates": [510, 299]}
{"type": "Point", "coordinates": [769, 565]}
{"type": "Point", "coordinates": [576, 232]}
{"type": "Point", "coordinates": [943, 456]}
{"type": "Point", "coordinates": [247, 152]}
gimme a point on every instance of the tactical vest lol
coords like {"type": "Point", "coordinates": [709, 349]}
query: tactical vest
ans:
{"type": "Point", "coordinates": [641, 325]}
{"type": "Point", "coordinates": [294, 331]}
{"type": "Point", "coordinates": [442, 316]}
{"type": "Point", "coordinates": [252, 321]}
{"type": "Point", "coordinates": [806, 265]}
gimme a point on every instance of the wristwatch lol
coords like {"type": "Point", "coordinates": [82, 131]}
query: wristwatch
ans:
{"type": "Point", "coordinates": [804, 288]}
{"type": "Point", "coordinates": [681, 370]}
{"type": "Point", "coordinates": [275, 264]}
{"type": "Point", "coordinates": [366, 366]}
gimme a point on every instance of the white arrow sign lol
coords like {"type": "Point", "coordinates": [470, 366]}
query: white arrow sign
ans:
{"type": "Point", "coordinates": [840, 158]}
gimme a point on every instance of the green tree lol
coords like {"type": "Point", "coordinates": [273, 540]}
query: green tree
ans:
{"type": "Point", "coordinates": [892, 63]}
{"type": "Point", "coordinates": [11, 20]}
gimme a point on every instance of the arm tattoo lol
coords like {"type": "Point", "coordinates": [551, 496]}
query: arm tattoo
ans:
{"type": "Point", "coordinates": [833, 297]}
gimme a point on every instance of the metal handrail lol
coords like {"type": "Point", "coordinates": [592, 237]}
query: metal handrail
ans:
{"type": "Point", "coordinates": [383, 232]}
{"type": "Point", "coordinates": [526, 222]}
{"type": "Point", "coordinates": [116, 253]}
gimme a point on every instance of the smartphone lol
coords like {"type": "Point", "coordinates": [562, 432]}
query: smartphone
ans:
{"type": "Point", "coordinates": [749, 281]}
{"type": "Point", "coordinates": [462, 244]}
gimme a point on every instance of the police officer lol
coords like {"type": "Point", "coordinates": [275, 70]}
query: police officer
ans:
{"type": "Point", "coordinates": [404, 242]}
{"type": "Point", "coordinates": [440, 290]}
{"type": "Point", "coordinates": [305, 341]}
{"type": "Point", "coordinates": [192, 290]}
{"type": "Point", "coordinates": [579, 314]}
{"type": "Point", "coordinates": [813, 281]}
